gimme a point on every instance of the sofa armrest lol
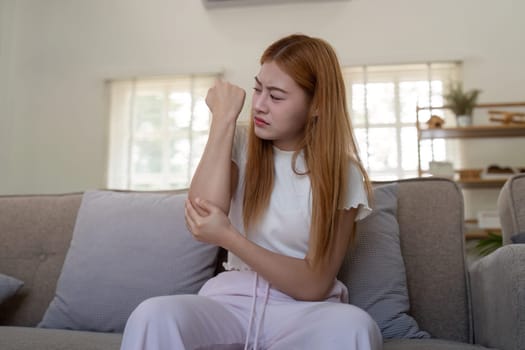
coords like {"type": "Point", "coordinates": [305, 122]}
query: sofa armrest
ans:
{"type": "Point", "coordinates": [498, 298]}
{"type": "Point", "coordinates": [511, 206]}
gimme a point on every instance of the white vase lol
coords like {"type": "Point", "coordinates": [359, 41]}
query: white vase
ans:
{"type": "Point", "coordinates": [464, 120]}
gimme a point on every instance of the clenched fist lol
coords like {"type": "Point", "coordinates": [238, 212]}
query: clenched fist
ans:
{"type": "Point", "coordinates": [225, 101]}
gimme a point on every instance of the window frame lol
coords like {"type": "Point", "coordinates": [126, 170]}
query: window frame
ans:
{"type": "Point", "coordinates": [397, 74]}
{"type": "Point", "coordinates": [124, 137]}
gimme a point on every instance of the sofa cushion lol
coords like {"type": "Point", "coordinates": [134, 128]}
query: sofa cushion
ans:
{"type": "Point", "coordinates": [374, 270]}
{"type": "Point", "coordinates": [428, 344]}
{"type": "Point", "coordinates": [35, 233]}
{"type": "Point", "coordinates": [28, 338]}
{"type": "Point", "coordinates": [8, 287]}
{"type": "Point", "coordinates": [126, 247]}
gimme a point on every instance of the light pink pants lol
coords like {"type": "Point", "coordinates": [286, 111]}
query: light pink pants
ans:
{"type": "Point", "coordinates": [226, 315]}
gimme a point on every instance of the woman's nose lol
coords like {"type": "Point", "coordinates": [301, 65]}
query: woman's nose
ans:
{"type": "Point", "coordinates": [260, 102]}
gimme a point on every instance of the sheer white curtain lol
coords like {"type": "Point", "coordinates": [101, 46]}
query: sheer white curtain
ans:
{"type": "Point", "coordinates": [158, 130]}
{"type": "Point", "coordinates": [382, 102]}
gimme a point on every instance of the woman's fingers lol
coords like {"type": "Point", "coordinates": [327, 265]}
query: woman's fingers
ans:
{"type": "Point", "coordinates": [191, 216]}
{"type": "Point", "coordinates": [205, 206]}
{"type": "Point", "coordinates": [210, 227]}
{"type": "Point", "coordinates": [225, 100]}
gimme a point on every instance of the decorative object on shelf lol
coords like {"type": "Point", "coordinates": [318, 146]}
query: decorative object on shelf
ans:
{"type": "Point", "coordinates": [461, 102]}
{"type": "Point", "coordinates": [441, 169]}
{"type": "Point", "coordinates": [495, 171]}
{"type": "Point", "coordinates": [489, 219]}
{"type": "Point", "coordinates": [507, 118]}
{"type": "Point", "coordinates": [469, 178]}
{"type": "Point", "coordinates": [469, 174]}
{"type": "Point", "coordinates": [435, 122]}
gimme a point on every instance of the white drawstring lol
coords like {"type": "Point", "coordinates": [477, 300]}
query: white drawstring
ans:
{"type": "Point", "coordinates": [262, 315]}
{"type": "Point", "coordinates": [252, 312]}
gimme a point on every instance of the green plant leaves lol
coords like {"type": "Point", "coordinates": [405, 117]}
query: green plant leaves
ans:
{"type": "Point", "coordinates": [487, 245]}
{"type": "Point", "coordinates": [459, 101]}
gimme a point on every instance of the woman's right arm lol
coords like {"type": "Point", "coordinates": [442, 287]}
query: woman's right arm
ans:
{"type": "Point", "coordinates": [213, 178]}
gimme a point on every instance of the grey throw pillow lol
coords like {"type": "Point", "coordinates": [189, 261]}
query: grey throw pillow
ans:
{"type": "Point", "coordinates": [518, 238]}
{"type": "Point", "coordinates": [126, 247]}
{"type": "Point", "coordinates": [8, 287]}
{"type": "Point", "coordinates": [374, 270]}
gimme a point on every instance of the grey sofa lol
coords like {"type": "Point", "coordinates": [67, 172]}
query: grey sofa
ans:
{"type": "Point", "coordinates": [511, 205]}
{"type": "Point", "coordinates": [498, 279]}
{"type": "Point", "coordinates": [35, 232]}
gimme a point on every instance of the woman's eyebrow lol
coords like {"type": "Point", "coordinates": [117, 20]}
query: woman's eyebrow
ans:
{"type": "Point", "coordinates": [271, 87]}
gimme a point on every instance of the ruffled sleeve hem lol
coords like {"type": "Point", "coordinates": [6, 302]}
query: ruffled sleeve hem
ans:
{"type": "Point", "coordinates": [231, 267]}
{"type": "Point", "coordinates": [234, 263]}
{"type": "Point", "coordinates": [362, 211]}
{"type": "Point", "coordinates": [356, 194]}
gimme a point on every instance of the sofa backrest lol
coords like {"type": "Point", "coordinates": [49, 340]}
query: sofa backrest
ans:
{"type": "Point", "coordinates": [35, 232]}
{"type": "Point", "coordinates": [511, 206]}
{"type": "Point", "coordinates": [430, 216]}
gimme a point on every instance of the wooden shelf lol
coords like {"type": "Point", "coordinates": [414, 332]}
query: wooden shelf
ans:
{"type": "Point", "coordinates": [494, 130]}
{"type": "Point", "coordinates": [478, 234]}
{"type": "Point", "coordinates": [469, 132]}
{"type": "Point", "coordinates": [481, 183]}
{"type": "Point", "coordinates": [476, 182]}
{"type": "Point", "coordinates": [473, 132]}
{"type": "Point", "coordinates": [479, 105]}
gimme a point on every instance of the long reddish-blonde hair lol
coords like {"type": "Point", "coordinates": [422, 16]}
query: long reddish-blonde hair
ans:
{"type": "Point", "coordinates": [328, 141]}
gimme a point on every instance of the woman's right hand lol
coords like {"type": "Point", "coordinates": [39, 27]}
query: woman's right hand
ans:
{"type": "Point", "coordinates": [225, 101]}
{"type": "Point", "coordinates": [208, 223]}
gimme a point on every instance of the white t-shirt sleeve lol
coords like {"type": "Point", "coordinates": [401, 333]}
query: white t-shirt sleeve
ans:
{"type": "Point", "coordinates": [356, 194]}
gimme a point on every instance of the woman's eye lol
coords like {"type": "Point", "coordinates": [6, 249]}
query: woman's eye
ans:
{"type": "Point", "coordinates": [258, 89]}
{"type": "Point", "coordinates": [276, 98]}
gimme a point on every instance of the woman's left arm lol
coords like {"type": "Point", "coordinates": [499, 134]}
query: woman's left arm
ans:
{"type": "Point", "coordinates": [295, 277]}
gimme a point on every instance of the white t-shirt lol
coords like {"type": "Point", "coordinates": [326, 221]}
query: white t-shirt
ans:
{"type": "Point", "coordinates": [285, 226]}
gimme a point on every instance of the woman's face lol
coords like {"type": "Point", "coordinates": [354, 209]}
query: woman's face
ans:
{"type": "Point", "coordinates": [279, 107]}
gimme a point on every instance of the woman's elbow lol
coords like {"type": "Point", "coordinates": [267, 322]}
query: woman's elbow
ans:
{"type": "Point", "coordinates": [314, 291]}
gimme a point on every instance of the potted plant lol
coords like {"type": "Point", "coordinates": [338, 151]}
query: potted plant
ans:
{"type": "Point", "coordinates": [461, 102]}
{"type": "Point", "coordinates": [487, 245]}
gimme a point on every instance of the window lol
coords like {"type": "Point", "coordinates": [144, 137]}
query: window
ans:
{"type": "Point", "coordinates": [158, 130]}
{"type": "Point", "coordinates": [382, 102]}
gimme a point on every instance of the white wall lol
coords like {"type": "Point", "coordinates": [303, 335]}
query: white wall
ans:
{"type": "Point", "coordinates": [56, 54]}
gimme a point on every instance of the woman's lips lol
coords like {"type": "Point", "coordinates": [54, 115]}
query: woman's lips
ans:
{"type": "Point", "coordinates": [260, 121]}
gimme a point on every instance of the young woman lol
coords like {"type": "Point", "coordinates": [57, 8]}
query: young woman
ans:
{"type": "Point", "coordinates": [282, 197]}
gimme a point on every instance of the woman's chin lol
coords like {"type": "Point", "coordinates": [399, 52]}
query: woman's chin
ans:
{"type": "Point", "coordinates": [262, 134]}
